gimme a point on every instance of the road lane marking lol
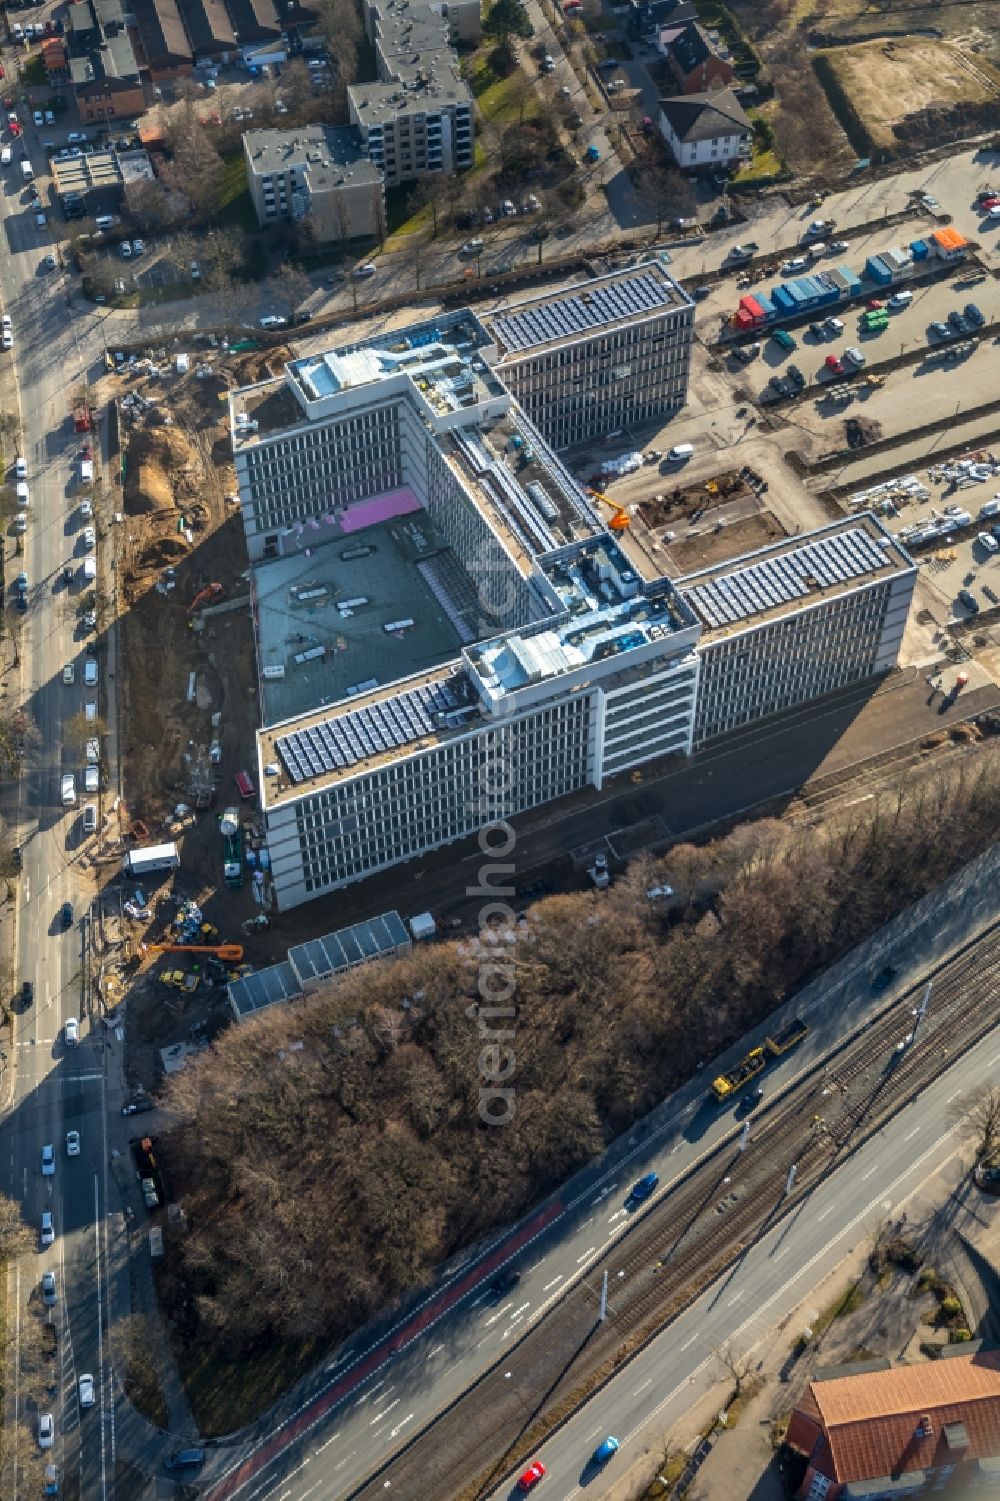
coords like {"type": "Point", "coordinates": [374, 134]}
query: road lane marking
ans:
{"type": "Point", "coordinates": [553, 1282]}
{"type": "Point", "coordinates": [379, 1416]}
{"type": "Point", "coordinates": [590, 1252]}
{"type": "Point", "coordinates": [829, 1210]}
{"type": "Point", "coordinates": [689, 1342]}
{"type": "Point", "coordinates": [736, 1299]}
{"type": "Point", "coordinates": [643, 1387]}
{"type": "Point", "coordinates": [872, 1169]}
{"type": "Point", "coordinates": [911, 1134]}
{"type": "Point", "coordinates": [436, 1351]}
{"type": "Point", "coordinates": [327, 1444]}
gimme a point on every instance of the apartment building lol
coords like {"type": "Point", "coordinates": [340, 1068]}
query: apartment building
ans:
{"type": "Point", "coordinates": [446, 633]}
{"type": "Point", "coordinates": [605, 355]}
{"type": "Point", "coordinates": [706, 132]}
{"type": "Point", "coordinates": [416, 119]}
{"type": "Point", "coordinates": [319, 172]}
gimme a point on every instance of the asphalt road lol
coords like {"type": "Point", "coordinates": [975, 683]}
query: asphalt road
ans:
{"type": "Point", "coordinates": [678, 1368]}
{"type": "Point", "coordinates": [380, 1388]}
{"type": "Point", "coordinates": [57, 1088]}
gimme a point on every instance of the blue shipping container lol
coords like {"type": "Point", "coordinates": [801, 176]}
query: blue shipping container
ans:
{"type": "Point", "coordinates": [782, 300]}
{"type": "Point", "coordinates": [877, 270]}
{"type": "Point", "coordinates": [919, 249]}
{"type": "Point", "coordinates": [766, 304]}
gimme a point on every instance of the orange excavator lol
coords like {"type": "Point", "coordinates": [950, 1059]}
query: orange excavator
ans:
{"type": "Point", "coordinates": [620, 520]}
{"type": "Point", "coordinates": [210, 591]}
{"type": "Point", "coordinates": [229, 953]}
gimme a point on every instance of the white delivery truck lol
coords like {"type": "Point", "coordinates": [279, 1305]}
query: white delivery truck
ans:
{"type": "Point", "coordinates": [151, 857]}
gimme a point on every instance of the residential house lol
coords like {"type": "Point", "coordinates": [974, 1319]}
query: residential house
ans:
{"type": "Point", "coordinates": [319, 172]}
{"type": "Point", "coordinates": [647, 18]}
{"type": "Point", "coordinates": [163, 45]}
{"type": "Point", "coordinates": [54, 57]}
{"type": "Point", "coordinates": [706, 131]}
{"type": "Point", "coordinates": [695, 64]}
{"type": "Point", "coordinates": [877, 1431]}
{"type": "Point", "coordinates": [107, 83]}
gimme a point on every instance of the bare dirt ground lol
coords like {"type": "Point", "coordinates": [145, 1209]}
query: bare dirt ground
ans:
{"type": "Point", "coordinates": [703, 548]}
{"type": "Point", "coordinates": [889, 81]}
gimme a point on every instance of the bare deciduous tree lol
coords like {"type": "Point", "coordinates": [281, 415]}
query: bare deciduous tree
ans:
{"type": "Point", "coordinates": [978, 1115]}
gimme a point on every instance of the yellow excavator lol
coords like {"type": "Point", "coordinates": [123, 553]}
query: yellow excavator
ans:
{"type": "Point", "coordinates": [620, 519]}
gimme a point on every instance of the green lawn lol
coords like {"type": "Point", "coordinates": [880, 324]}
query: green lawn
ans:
{"type": "Point", "coordinates": [761, 164]}
{"type": "Point", "coordinates": [235, 206]}
{"type": "Point", "coordinates": [500, 98]}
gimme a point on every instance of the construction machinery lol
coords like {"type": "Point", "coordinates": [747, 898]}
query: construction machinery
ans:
{"type": "Point", "coordinates": [232, 847]}
{"type": "Point", "coordinates": [753, 1063]}
{"type": "Point", "coordinates": [620, 519]}
{"type": "Point", "coordinates": [210, 591]}
{"type": "Point", "coordinates": [229, 953]}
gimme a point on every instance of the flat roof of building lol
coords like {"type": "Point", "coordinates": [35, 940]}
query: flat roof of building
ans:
{"type": "Point", "coordinates": [80, 174]}
{"type": "Point", "coordinates": [321, 958]}
{"type": "Point", "coordinates": [265, 988]}
{"type": "Point", "coordinates": [321, 618]}
{"type": "Point", "coordinates": [336, 744]}
{"type": "Point", "coordinates": [560, 317]}
{"type": "Point", "coordinates": [331, 155]}
{"type": "Point", "coordinates": [374, 103]}
{"type": "Point", "coordinates": [791, 573]}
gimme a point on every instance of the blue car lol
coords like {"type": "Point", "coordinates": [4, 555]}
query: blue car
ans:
{"type": "Point", "coordinates": [604, 1451]}
{"type": "Point", "coordinates": [644, 1187]}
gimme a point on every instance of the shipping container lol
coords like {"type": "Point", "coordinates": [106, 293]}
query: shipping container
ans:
{"type": "Point", "coordinates": [919, 249]}
{"type": "Point", "coordinates": [877, 270]}
{"type": "Point", "coordinates": [767, 306]}
{"type": "Point", "coordinates": [850, 279]}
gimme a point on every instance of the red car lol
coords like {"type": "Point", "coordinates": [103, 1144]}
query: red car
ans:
{"type": "Point", "coordinates": [832, 363]}
{"type": "Point", "coordinates": [989, 202]}
{"type": "Point", "coordinates": [532, 1475]}
{"type": "Point", "coordinates": [874, 304]}
{"type": "Point", "coordinates": [15, 131]}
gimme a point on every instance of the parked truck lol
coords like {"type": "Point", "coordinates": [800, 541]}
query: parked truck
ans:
{"type": "Point", "coordinates": [232, 847]}
{"type": "Point", "coordinates": [81, 413]}
{"type": "Point", "coordinates": [755, 1062]}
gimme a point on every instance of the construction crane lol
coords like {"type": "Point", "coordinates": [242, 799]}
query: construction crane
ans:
{"type": "Point", "coordinates": [620, 520]}
{"type": "Point", "coordinates": [229, 953]}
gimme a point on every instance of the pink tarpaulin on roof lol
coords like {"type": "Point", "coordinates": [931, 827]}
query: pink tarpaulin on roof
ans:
{"type": "Point", "coordinates": [381, 508]}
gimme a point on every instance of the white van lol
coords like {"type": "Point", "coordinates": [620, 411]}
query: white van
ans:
{"type": "Point", "coordinates": [27, 171]}
{"type": "Point", "coordinates": [86, 471]}
{"type": "Point", "coordinates": [680, 453]}
{"type": "Point", "coordinates": [90, 818]}
{"type": "Point", "coordinates": [90, 568]}
{"type": "Point", "coordinates": [104, 221]}
{"type": "Point", "coordinates": [6, 156]}
{"type": "Point", "coordinates": [22, 494]}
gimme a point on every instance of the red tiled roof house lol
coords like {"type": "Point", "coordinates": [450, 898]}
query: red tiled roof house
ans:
{"type": "Point", "coordinates": [901, 1431]}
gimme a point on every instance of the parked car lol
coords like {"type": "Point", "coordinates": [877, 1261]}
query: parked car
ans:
{"type": "Point", "coordinates": [988, 542]}
{"type": "Point", "coordinates": [48, 1229]}
{"type": "Point", "coordinates": [368, 268]}
{"type": "Point", "coordinates": [86, 1390]}
{"type": "Point", "coordinates": [794, 266]}
{"type": "Point", "coordinates": [46, 1427]}
{"type": "Point", "coordinates": [969, 601]}
{"type": "Point", "coordinates": [974, 315]}
{"type": "Point", "coordinates": [49, 1293]}
{"type": "Point", "coordinates": [72, 1032]}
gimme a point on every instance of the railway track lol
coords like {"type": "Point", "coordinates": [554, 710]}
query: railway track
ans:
{"type": "Point", "coordinates": [686, 1239]}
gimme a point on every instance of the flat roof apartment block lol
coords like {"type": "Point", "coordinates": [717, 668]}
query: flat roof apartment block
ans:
{"type": "Point", "coordinates": [599, 356]}
{"type": "Point", "coordinates": [417, 117]}
{"type": "Point", "coordinates": [427, 604]}
{"type": "Point", "coordinates": [317, 171]}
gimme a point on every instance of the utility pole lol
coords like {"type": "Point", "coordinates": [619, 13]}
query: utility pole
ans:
{"type": "Point", "coordinates": [604, 1299]}
{"type": "Point", "coordinates": [921, 1010]}
{"type": "Point", "coordinates": [745, 1136]}
{"type": "Point", "coordinates": [789, 1181]}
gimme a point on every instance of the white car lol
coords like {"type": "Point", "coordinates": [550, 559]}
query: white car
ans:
{"type": "Point", "coordinates": [20, 465]}
{"type": "Point", "coordinates": [273, 320]}
{"type": "Point", "coordinates": [126, 250]}
{"type": "Point", "coordinates": [899, 300]}
{"type": "Point", "coordinates": [90, 672]}
{"type": "Point", "coordinates": [46, 1430]}
{"type": "Point", "coordinates": [48, 1160]}
{"type": "Point", "coordinates": [837, 247]}
{"type": "Point", "coordinates": [48, 1228]}
{"type": "Point", "coordinates": [86, 1390]}
{"type": "Point", "coordinates": [68, 790]}
{"type": "Point", "coordinates": [20, 523]}
{"type": "Point", "coordinates": [988, 542]}
{"type": "Point", "coordinates": [38, 118]}
{"type": "Point", "coordinates": [138, 248]}
{"type": "Point", "coordinates": [368, 268]}
{"type": "Point", "coordinates": [72, 1143]}
{"type": "Point", "coordinates": [990, 509]}
{"type": "Point", "coordinates": [50, 118]}
{"type": "Point", "coordinates": [796, 264]}
{"type": "Point", "coordinates": [76, 136]}
{"type": "Point", "coordinates": [86, 509]}
{"type": "Point", "coordinates": [89, 538]}
{"type": "Point", "coordinates": [69, 673]}
{"type": "Point", "coordinates": [280, 107]}
{"type": "Point", "coordinates": [49, 1293]}
{"type": "Point", "coordinates": [72, 1030]}
{"type": "Point", "coordinates": [6, 339]}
